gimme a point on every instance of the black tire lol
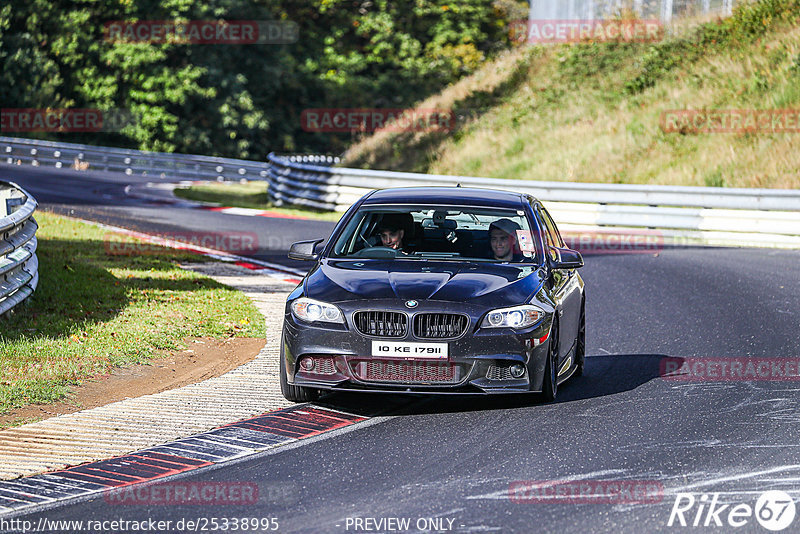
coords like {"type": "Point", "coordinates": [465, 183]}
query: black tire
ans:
{"type": "Point", "coordinates": [295, 393]}
{"type": "Point", "coordinates": [580, 343]}
{"type": "Point", "coordinates": [550, 383]}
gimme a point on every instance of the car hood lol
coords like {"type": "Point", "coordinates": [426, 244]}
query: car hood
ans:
{"type": "Point", "coordinates": [498, 284]}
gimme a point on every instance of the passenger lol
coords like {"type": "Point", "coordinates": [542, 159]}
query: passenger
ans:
{"type": "Point", "coordinates": [503, 240]}
{"type": "Point", "coordinates": [391, 230]}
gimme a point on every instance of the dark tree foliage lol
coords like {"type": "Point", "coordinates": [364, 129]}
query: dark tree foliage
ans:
{"type": "Point", "coordinates": [240, 100]}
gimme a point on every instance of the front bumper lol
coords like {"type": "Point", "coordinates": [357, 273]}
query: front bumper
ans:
{"type": "Point", "coordinates": [479, 361]}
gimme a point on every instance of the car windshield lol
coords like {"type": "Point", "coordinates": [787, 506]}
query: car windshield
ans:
{"type": "Point", "coordinates": [445, 233]}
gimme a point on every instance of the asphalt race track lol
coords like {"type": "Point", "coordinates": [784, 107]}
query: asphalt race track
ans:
{"type": "Point", "coordinates": [102, 197]}
{"type": "Point", "coordinates": [455, 464]}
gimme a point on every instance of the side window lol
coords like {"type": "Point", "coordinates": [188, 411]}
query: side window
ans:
{"type": "Point", "coordinates": [552, 231]}
{"type": "Point", "coordinates": [552, 238]}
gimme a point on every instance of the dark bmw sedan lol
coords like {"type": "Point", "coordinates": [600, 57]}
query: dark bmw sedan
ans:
{"type": "Point", "coordinates": [436, 290]}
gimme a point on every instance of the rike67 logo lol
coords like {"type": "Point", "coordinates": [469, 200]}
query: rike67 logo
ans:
{"type": "Point", "coordinates": [774, 510]}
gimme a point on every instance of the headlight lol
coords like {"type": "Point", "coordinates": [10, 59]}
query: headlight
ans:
{"type": "Point", "coordinates": [311, 311]}
{"type": "Point", "coordinates": [516, 317]}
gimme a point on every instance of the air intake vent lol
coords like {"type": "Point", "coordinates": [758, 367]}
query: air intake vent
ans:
{"type": "Point", "coordinates": [439, 325]}
{"type": "Point", "coordinates": [381, 323]}
{"type": "Point", "coordinates": [324, 366]}
{"type": "Point", "coordinates": [407, 372]}
{"type": "Point", "coordinates": [499, 372]}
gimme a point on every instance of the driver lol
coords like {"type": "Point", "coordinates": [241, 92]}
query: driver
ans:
{"type": "Point", "coordinates": [503, 240]}
{"type": "Point", "coordinates": [391, 230]}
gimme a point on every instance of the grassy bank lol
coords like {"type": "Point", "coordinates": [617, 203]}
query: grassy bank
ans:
{"type": "Point", "coordinates": [591, 112]}
{"type": "Point", "coordinates": [249, 195]}
{"type": "Point", "coordinates": [95, 310]}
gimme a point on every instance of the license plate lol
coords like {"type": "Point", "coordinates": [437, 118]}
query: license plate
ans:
{"type": "Point", "coordinates": [404, 349]}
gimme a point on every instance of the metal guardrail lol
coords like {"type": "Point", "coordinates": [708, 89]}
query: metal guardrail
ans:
{"type": "Point", "coordinates": [156, 165]}
{"type": "Point", "coordinates": [707, 215]}
{"type": "Point", "coordinates": [19, 266]}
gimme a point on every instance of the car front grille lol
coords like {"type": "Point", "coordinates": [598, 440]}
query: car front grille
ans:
{"type": "Point", "coordinates": [439, 325]}
{"type": "Point", "coordinates": [381, 323]}
{"type": "Point", "coordinates": [406, 372]}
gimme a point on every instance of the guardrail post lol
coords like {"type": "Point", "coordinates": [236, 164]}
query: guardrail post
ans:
{"type": "Point", "coordinates": [666, 11]}
{"type": "Point", "coordinates": [727, 7]}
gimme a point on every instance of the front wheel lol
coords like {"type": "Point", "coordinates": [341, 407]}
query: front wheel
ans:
{"type": "Point", "coordinates": [550, 383]}
{"type": "Point", "coordinates": [580, 343]}
{"type": "Point", "coordinates": [295, 393]}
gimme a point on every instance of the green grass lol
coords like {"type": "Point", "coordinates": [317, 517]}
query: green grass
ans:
{"type": "Point", "coordinates": [590, 112]}
{"type": "Point", "coordinates": [249, 195]}
{"type": "Point", "coordinates": [94, 311]}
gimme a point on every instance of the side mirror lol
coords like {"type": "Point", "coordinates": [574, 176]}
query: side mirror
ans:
{"type": "Point", "coordinates": [566, 259]}
{"type": "Point", "coordinates": [305, 250]}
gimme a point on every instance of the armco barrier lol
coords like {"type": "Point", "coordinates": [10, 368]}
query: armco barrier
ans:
{"type": "Point", "coordinates": [690, 215]}
{"type": "Point", "coordinates": [682, 215]}
{"type": "Point", "coordinates": [155, 165]}
{"type": "Point", "coordinates": [19, 267]}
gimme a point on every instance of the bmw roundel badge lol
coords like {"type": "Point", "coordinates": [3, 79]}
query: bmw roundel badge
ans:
{"type": "Point", "coordinates": [411, 303]}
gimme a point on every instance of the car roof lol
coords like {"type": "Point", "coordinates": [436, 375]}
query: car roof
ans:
{"type": "Point", "coordinates": [462, 196]}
